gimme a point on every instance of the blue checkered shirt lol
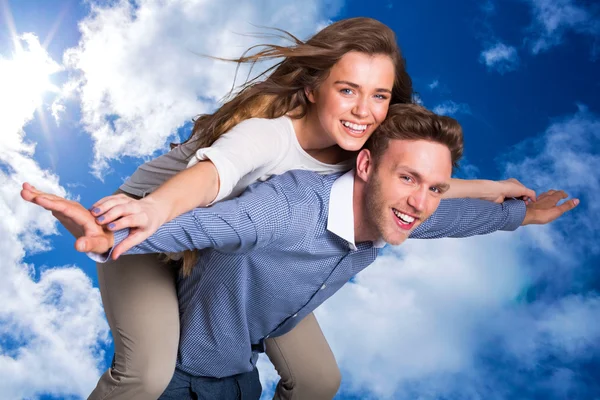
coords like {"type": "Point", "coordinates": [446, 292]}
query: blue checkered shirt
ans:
{"type": "Point", "coordinates": [269, 260]}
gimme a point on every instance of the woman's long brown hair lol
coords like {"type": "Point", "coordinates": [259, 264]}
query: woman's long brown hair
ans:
{"type": "Point", "coordinates": [304, 65]}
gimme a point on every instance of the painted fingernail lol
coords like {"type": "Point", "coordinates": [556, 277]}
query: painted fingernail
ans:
{"type": "Point", "coordinates": [96, 210]}
{"type": "Point", "coordinates": [111, 226]}
{"type": "Point", "coordinates": [100, 218]}
{"type": "Point", "coordinates": [576, 201]}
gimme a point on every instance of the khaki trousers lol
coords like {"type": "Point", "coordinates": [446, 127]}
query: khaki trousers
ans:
{"type": "Point", "coordinates": [140, 301]}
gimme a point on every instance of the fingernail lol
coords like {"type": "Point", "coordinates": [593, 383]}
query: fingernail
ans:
{"type": "Point", "coordinates": [111, 226]}
{"type": "Point", "coordinates": [96, 210]}
{"type": "Point", "coordinates": [80, 246]}
{"type": "Point", "coordinates": [101, 218]}
{"type": "Point", "coordinates": [576, 202]}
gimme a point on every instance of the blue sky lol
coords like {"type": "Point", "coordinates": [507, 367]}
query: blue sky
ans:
{"type": "Point", "coordinates": [98, 87]}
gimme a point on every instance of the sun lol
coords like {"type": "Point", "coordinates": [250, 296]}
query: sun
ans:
{"type": "Point", "coordinates": [29, 70]}
{"type": "Point", "coordinates": [25, 79]}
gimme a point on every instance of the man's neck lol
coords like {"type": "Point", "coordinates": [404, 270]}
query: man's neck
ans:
{"type": "Point", "coordinates": [363, 228]}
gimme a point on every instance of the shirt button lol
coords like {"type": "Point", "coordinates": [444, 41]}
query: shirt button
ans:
{"type": "Point", "coordinates": [294, 316]}
{"type": "Point", "coordinates": [323, 287]}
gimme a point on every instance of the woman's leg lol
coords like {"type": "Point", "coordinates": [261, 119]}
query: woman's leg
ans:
{"type": "Point", "coordinates": [140, 301]}
{"type": "Point", "coordinates": [305, 363]}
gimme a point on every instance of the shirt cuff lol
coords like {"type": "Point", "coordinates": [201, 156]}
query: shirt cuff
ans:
{"type": "Point", "coordinates": [119, 236]}
{"type": "Point", "coordinates": [222, 164]}
{"type": "Point", "coordinates": [516, 210]}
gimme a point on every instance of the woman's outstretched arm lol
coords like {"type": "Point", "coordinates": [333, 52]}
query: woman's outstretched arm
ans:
{"type": "Point", "coordinates": [483, 189]}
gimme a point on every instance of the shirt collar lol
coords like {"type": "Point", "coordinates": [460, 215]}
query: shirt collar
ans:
{"type": "Point", "coordinates": [340, 219]}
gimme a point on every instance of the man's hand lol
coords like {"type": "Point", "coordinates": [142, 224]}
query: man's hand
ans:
{"type": "Point", "coordinates": [90, 236]}
{"type": "Point", "coordinates": [545, 209]}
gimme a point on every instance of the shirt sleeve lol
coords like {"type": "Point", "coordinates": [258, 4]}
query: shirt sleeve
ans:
{"type": "Point", "coordinates": [248, 146]}
{"type": "Point", "coordinates": [470, 217]}
{"type": "Point", "coordinates": [258, 217]}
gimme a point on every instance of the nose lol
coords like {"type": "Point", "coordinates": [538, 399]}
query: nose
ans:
{"type": "Point", "coordinates": [417, 199]}
{"type": "Point", "coordinates": [361, 108]}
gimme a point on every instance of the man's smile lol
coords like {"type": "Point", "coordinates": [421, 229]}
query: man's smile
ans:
{"type": "Point", "coordinates": [404, 221]}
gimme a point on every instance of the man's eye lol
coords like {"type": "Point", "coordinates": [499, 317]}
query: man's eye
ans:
{"type": "Point", "coordinates": [406, 178]}
{"type": "Point", "coordinates": [435, 190]}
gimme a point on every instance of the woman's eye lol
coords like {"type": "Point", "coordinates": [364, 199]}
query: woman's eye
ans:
{"type": "Point", "coordinates": [346, 91]}
{"type": "Point", "coordinates": [381, 96]}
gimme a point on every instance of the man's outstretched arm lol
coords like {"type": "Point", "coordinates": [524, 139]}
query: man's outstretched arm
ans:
{"type": "Point", "coordinates": [470, 217]}
{"type": "Point", "coordinates": [254, 219]}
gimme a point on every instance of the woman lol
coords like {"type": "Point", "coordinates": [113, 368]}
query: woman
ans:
{"type": "Point", "coordinates": [314, 111]}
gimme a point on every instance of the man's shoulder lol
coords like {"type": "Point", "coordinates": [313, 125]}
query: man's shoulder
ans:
{"type": "Point", "coordinates": [299, 179]}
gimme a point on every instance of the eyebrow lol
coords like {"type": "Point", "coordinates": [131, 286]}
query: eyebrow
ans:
{"type": "Point", "coordinates": [442, 186]}
{"type": "Point", "coordinates": [357, 86]}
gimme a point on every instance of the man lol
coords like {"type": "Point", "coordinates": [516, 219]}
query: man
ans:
{"type": "Point", "coordinates": [282, 248]}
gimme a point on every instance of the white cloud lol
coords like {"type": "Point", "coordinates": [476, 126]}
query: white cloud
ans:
{"type": "Point", "coordinates": [446, 318]}
{"type": "Point", "coordinates": [451, 108]}
{"type": "Point", "coordinates": [434, 84]}
{"type": "Point", "coordinates": [552, 19]}
{"type": "Point", "coordinates": [568, 152]}
{"type": "Point", "coordinates": [416, 98]}
{"type": "Point", "coordinates": [140, 72]}
{"type": "Point", "coordinates": [500, 57]}
{"type": "Point", "coordinates": [51, 328]}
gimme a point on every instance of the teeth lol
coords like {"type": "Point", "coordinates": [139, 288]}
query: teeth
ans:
{"type": "Point", "coordinates": [355, 127]}
{"type": "Point", "coordinates": [405, 218]}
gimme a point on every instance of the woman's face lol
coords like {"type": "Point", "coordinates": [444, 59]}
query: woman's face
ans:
{"type": "Point", "coordinates": [354, 99]}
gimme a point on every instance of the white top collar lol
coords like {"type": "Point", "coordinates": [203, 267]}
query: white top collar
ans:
{"type": "Point", "coordinates": [340, 220]}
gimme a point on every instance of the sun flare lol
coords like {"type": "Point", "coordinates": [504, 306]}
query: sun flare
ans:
{"type": "Point", "coordinates": [25, 78]}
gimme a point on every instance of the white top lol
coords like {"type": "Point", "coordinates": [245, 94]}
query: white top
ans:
{"type": "Point", "coordinates": [256, 149]}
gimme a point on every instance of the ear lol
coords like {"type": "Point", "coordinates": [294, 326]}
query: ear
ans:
{"type": "Point", "coordinates": [310, 94]}
{"type": "Point", "coordinates": [364, 165]}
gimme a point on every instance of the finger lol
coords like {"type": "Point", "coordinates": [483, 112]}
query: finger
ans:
{"type": "Point", "coordinates": [116, 212]}
{"type": "Point", "coordinates": [92, 244]}
{"type": "Point", "coordinates": [50, 203]}
{"type": "Point", "coordinates": [530, 194]}
{"type": "Point", "coordinates": [27, 195]}
{"type": "Point", "coordinates": [36, 191]}
{"type": "Point", "coordinates": [130, 221]}
{"type": "Point", "coordinates": [109, 203]}
{"type": "Point", "coordinates": [543, 196]}
{"type": "Point", "coordinates": [562, 194]}
{"type": "Point", "coordinates": [557, 211]}
{"type": "Point", "coordinates": [568, 206]}
{"type": "Point", "coordinates": [130, 241]}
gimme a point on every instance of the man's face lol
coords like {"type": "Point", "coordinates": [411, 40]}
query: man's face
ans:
{"type": "Point", "coordinates": [405, 187]}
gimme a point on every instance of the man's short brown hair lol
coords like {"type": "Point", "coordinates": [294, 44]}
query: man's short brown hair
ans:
{"type": "Point", "coordinates": [414, 122]}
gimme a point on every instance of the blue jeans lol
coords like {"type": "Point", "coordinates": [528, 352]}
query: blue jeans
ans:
{"type": "Point", "coordinates": [184, 386]}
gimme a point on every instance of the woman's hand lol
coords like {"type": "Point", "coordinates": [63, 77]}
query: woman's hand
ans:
{"type": "Point", "coordinates": [510, 188]}
{"type": "Point", "coordinates": [143, 217]}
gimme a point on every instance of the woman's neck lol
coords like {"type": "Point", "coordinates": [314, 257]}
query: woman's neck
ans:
{"type": "Point", "coordinates": [316, 142]}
